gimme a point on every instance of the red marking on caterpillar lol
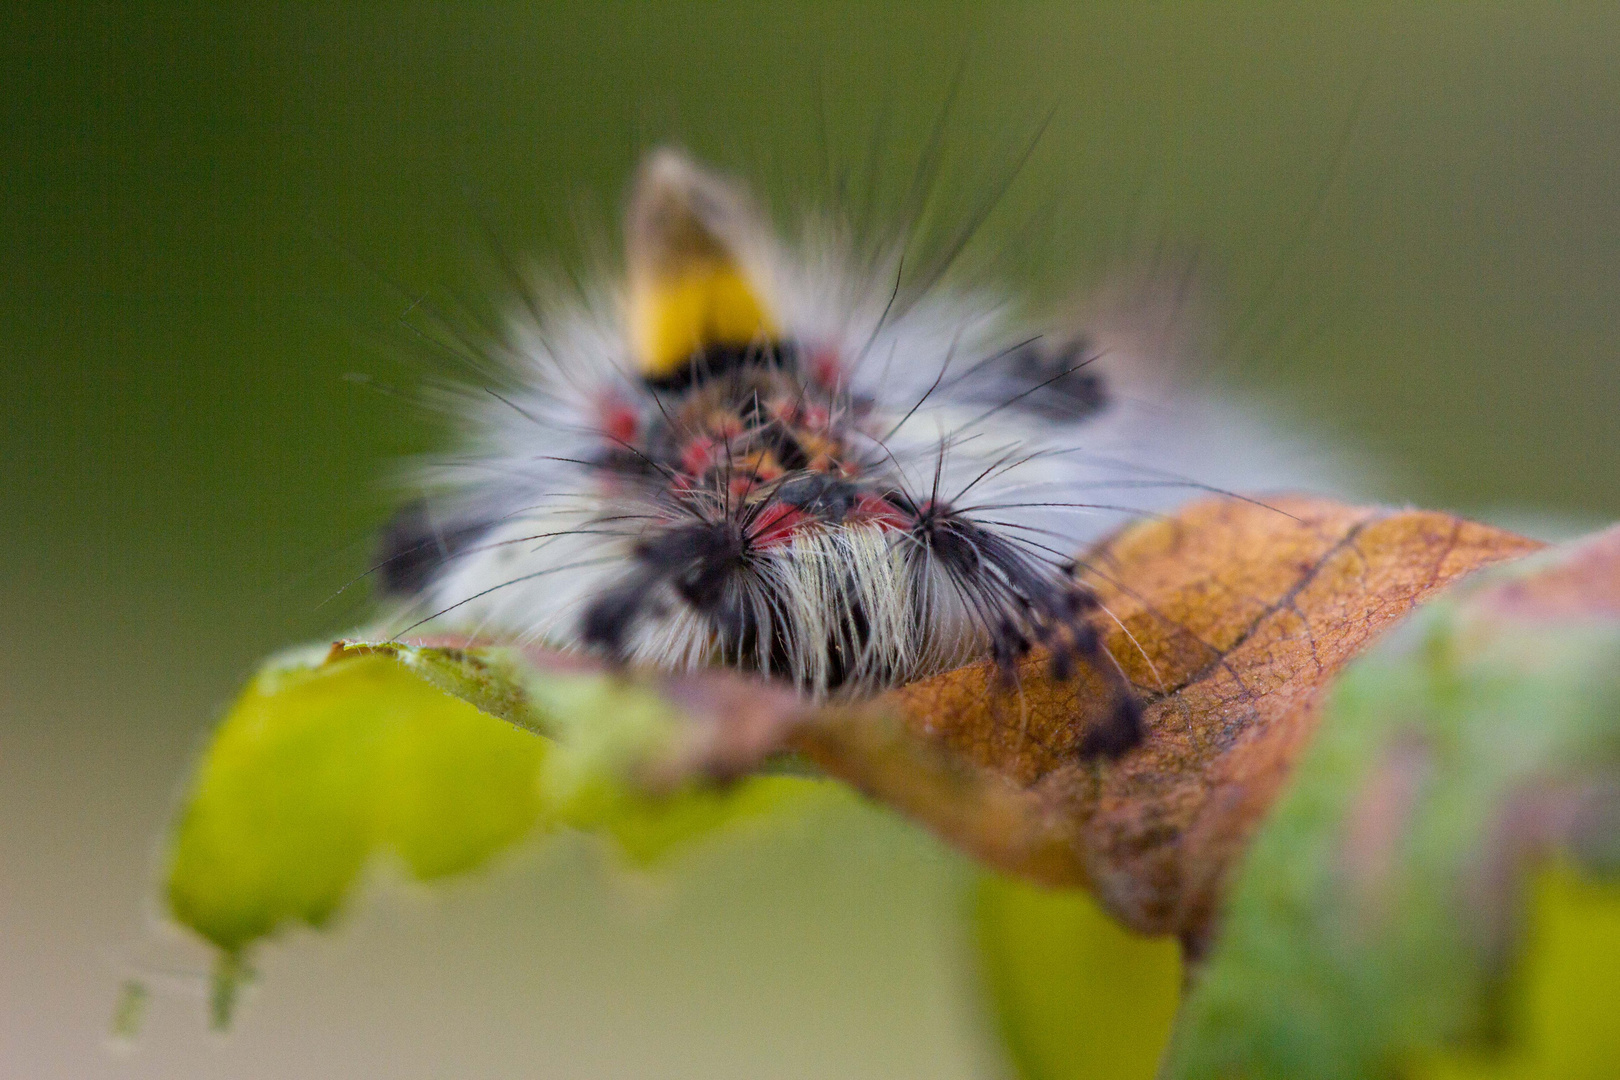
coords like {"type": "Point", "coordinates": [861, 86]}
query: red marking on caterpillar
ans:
{"type": "Point", "coordinates": [776, 525]}
{"type": "Point", "coordinates": [619, 419]}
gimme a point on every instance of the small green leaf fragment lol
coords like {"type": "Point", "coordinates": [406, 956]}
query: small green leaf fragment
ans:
{"type": "Point", "coordinates": [1076, 995]}
{"type": "Point", "coordinates": [315, 769]}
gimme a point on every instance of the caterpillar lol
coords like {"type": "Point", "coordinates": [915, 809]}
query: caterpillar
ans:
{"type": "Point", "coordinates": [767, 455]}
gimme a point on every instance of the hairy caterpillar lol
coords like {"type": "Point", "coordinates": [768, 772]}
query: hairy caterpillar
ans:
{"type": "Point", "coordinates": [754, 454]}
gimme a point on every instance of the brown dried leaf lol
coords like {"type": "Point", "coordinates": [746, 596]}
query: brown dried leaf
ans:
{"type": "Point", "coordinates": [1232, 619]}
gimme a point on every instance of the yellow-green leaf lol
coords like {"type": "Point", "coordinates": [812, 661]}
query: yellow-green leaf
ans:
{"type": "Point", "coordinates": [315, 769]}
{"type": "Point", "coordinates": [1076, 995]}
{"type": "Point", "coordinates": [1560, 1018]}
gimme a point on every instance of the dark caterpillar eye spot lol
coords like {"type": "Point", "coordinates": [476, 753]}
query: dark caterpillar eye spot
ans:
{"type": "Point", "coordinates": [607, 622]}
{"type": "Point", "coordinates": [827, 497]}
{"type": "Point", "coordinates": [952, 546]}
{"type": "Point", "coordinates": [695, 560]}
{"type": "Point", "coordinates": [1061, 383]}
{"type": "Point", "coordinates": [413, 548]}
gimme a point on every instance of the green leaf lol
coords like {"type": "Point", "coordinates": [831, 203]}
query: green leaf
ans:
{"type": "Point", "coordinates": [314, 769]}
{"type": "Point", "coordinates": [1075, 995]}
{"type": "Point", "coordinates": [647, 829]}
{"type": "Point", "coordinates": [442, 757]}
{"type": "Point", "coordinates": [1374, 925]}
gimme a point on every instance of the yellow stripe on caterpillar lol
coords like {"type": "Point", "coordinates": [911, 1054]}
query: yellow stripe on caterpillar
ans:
{"type": "Point", "coordinates": [688, 288]}
{"type": "Point", "coordinates": [675, 319]}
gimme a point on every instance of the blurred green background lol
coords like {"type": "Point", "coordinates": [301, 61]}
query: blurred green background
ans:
{"type": "Point", "coordinates": [209, 214]}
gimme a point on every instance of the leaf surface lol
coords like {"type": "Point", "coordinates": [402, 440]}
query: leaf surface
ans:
{"type": "Point", "coordinates": [1232, 619]}
{"type": "Point", "coordinates": [316, 768]}
{"type": "Point", "coordinates": [1377, 923]}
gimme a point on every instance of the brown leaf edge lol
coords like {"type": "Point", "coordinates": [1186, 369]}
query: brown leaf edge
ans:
{"type": "Point", "coordinates": [1231, 618]}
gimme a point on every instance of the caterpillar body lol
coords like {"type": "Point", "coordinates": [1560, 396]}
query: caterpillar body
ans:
{"type": "Point", "coordinates": [751, 454]}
